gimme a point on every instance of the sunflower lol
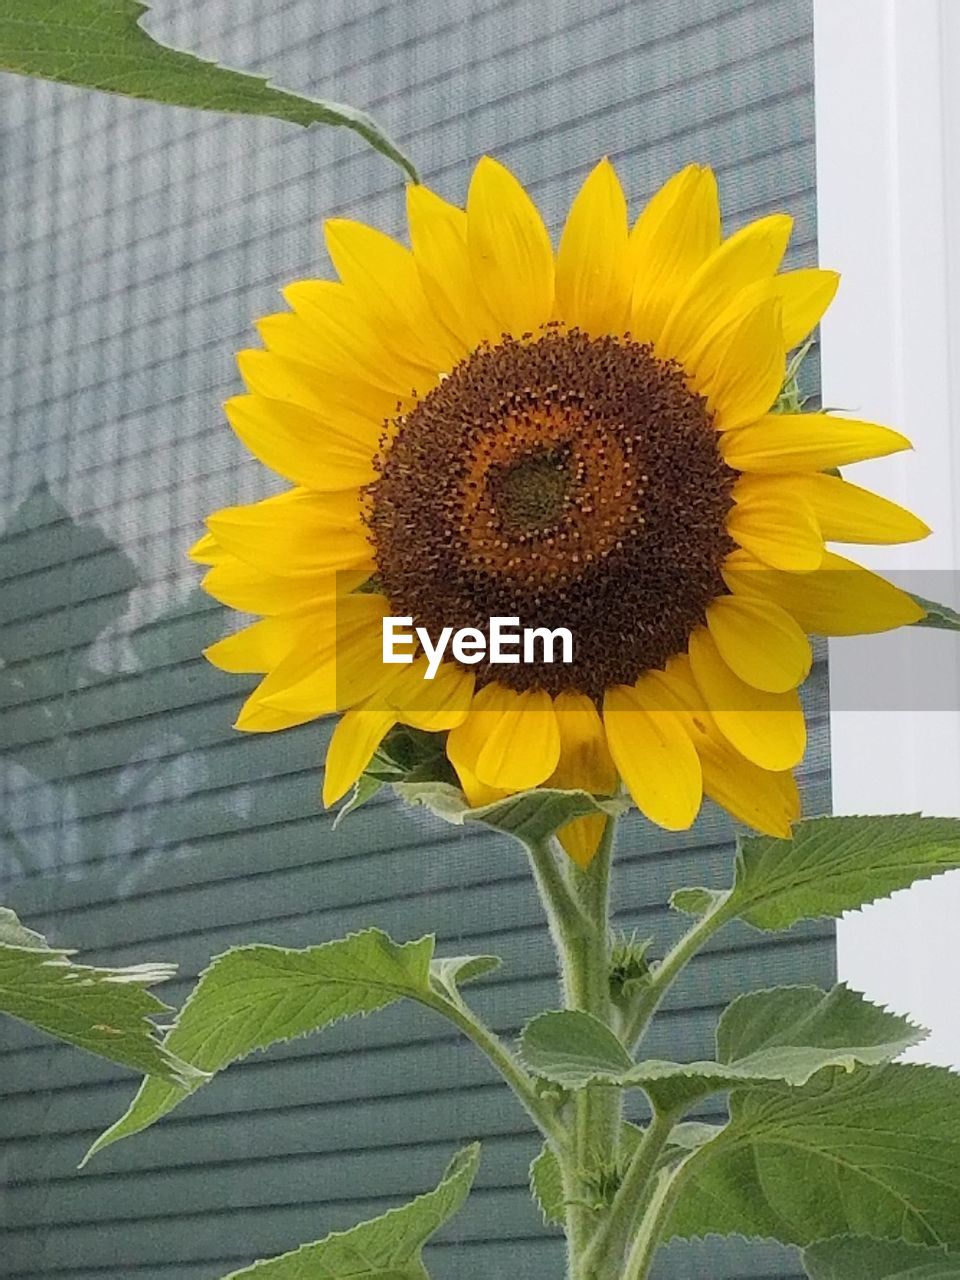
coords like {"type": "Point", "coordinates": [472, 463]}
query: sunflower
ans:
{"type": "Point", "coordinates": [479, 426]}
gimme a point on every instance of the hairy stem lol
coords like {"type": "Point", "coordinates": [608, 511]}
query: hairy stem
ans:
{"type": "Point", "coordinates": [541, 1110]}
{"type": "Point", "coordinates": [609, 1246]}
{"type": "Point", "coordinates": [577, 903]}
{"type": "Point", "coordinates": [673, 963]}
{"type": "Point", "coordinates": [587, 984]}
{"type": "Point", "coordinates": [564, 913]}
{"type": "Point", "coordinates": [650, 1230]}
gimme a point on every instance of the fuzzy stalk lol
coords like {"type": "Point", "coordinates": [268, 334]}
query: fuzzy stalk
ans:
{"type": "Point", "coordinates": [636, 1193]}
{"type": "Point", "coordinates": [665, 1190]}
{"type": "Point", "coordinates": [577, 904]}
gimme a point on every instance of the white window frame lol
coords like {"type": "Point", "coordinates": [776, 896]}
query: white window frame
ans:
{"type": "Point", "coordinates": [888, 192]}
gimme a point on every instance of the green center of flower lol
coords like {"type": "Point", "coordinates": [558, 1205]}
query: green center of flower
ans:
{"type": "Point", "coordinates": [532, 493]}
{"type": "Point", "coordinates": [564, 480]}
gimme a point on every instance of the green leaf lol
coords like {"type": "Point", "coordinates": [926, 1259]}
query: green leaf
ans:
{"type": "Point", "coordinates": [876, 1153]}
{"type": "Point", "coordinates": [574, 1049]}
{"type": "Point", "coordinates": [364, 789]}
{"type": "Point", "coordinates": [691, 1134]}
{"type": "Point", "coordinates": [939, 616]}
{"type": "Point", "coordinates": [406, 755]}
{"type": "Point", "coordinates": [99, 44]}
{"type": "Point", "coordinates": [790, 1033]}
{"type": "Point", "coordinates": [252, 997]}
{"type": "Point", "coordinates": [786, 1034]}
{"type": "Point", "coordinates": [864, 1258]}
{"type": "Point", "coordinates": [546, 1187]}
{"type": "Point", "coordinates": [105, 1011]}
{"type": "Point", "coordinates": [527, 816]}
{"type": "Point", "coordinates": [412, 755]}
{"type": "Point", "coordinates": [791, 399]}
{"type": "Point", "coordinates": [448, 973]}
{"type": "Point", "coordinates": [385, 1248]}
{"type": "Point", "coordinates": [696, 902]}
{"type": "Point", "coordinates": [630, 967]}
{"type": "Point", "coordinates": [546, 1180]}
{"type": "Point", "coordinates": [14, 934]}
{"type": "Point", "coordinates": [832, 865]}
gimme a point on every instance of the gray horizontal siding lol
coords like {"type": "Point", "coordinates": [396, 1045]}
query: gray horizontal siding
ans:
{"type": "Point", "coordinates": [136, 246]}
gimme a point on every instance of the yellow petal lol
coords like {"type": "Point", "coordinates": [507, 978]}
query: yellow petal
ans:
{"type": "Point", "coordinates": [752, 254]}
{"type": "Point", "coordinates": [784, 442]}
{"type": "Point", "coordinates": [355, 405]}
{"type": "Point", "coordinates": [260, 647]}
{"type": "Point", "coordinates": [438, 233]}
{"type": "Point", "coordinates": [760, 642]}
{"type": "Point", "coordinates": [676, 232]}
{"type": "Point", "coordinates": [464, 744]}
{"type": "Point", "coordinates": [355, 739]}
{"type": "Point", "coordinates": [287, 336]}
{"type": "Point", "coordinates": [339, 376]}
{"type": "Point", "coordinates": [206, 550]}
{"type": "Point", "coordinates": [296, 533]}
{"type": "Point", "coordinates": [839, 599]}
{"type": "Point", "coordinates": [785, 535]}
{"type": "Point", "coordinates": [847, 513]}
{"type": "Point", "coordinates": [334, 667]}
{"type": "Point", "coordinates": [580, 838]}
{"type": "Point", "coordinates": [803, 295]}
{"type": "Point", "coordinates": [302, 447]}
{"type": "Point", "coordinates": [522, 739]}
{"type": "Point", "coordinates": [762, 799]}
{"type": "Point", "coordinates": [383, 275]}
{"type": "Point", "coordinates": [432, 705]}
{"type": "Point", "coordinates": [593, 278]}
{"type": "Point", "coordinates": [519, 721]}
{"type": "Point", "coordinates": [257, 717]}
{"type": "Point", "coordinates": [767, 728]}
{"type": "Point", "coordinates": [510, 252]}
{"type": "Point", "coordinates": [477, 793]}
{"type": "Point", "coordinates": [466, 741]}
{"type": "Point", "coordinates": [741, 368]}
{"type": "Point", "coordinates": [344, 341]}
{"type": "Point", "coordinates": [654, 754]}
{"type": "Point", "coordinates": [585, 764]}
{"type": "Point", "coordinates": [240, 586]}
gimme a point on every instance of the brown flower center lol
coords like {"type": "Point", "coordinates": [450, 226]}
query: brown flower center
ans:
{"type": "Point", "coordinates": [567, 481]}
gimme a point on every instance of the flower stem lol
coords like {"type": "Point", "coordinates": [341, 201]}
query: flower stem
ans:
{"type": "Point", "coordinates": [650, 1230]}
{"type": "Point", "coordinates": [588, 988]}
{"type": "Point", "coordinates": [671, 966]}
{"type": "Point", "coordinates": [609, 1246]}
{"type": "Point", "coordinates": [564, 913]}
{"type": "Point", "coordinates": [541, 1111]}
{"type": "Point", "coordinates": [577, 903]}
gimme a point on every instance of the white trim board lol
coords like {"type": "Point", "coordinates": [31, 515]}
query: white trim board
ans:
{"type": "Point", "coordinates": [888, 191]}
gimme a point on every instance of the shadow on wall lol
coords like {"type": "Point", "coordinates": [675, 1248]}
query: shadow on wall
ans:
{"type": "Point", "coordinates": [96, 762]}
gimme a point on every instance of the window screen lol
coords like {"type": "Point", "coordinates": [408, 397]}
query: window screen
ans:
{"type": "Point", "coordinates": [137, 245]}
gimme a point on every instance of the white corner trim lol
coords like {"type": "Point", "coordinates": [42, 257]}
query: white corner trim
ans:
{"type": "Point", "coordinates": [888, 190]}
